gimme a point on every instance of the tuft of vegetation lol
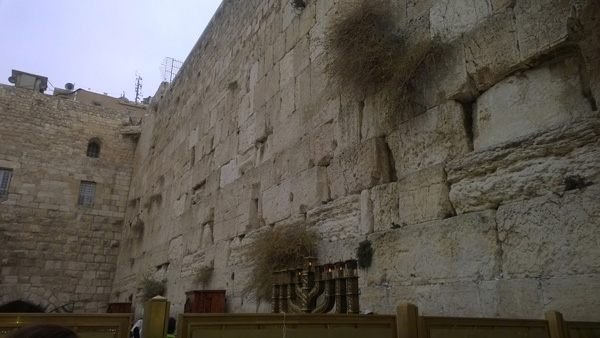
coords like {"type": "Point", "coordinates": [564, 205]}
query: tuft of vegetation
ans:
{"type": "Point", "coordinates": [233, 85]}
{"type": "Point", "coordinates": [573, 182]}
{"type": "Point", "coordinates": [202, 275]}
{"type": "Point", "coordinates": [152, 287]}
{"type": "Point", "coordinates": [364, 254]}
{"type": "Point", "coordinates": [274, 250]}
{"type": "Point", "coordinates": [137, 226]}
{"type": "Point", "coordinates": [366, 53]}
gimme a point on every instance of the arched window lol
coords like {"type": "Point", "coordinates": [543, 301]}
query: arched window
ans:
{"type": "Point", "coordinates": [93, 148]}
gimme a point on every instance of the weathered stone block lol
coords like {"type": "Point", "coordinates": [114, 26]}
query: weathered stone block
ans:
{"type": "Point", "coordinates": [423, 196]}
{"type": "Point", "coordinates": [366, 212]}
{"type": "Point", "coordinates": [452, 18]}
{"type": "Point", "coordinates": [309, 189]}
{"type": "Point", "coordinates": [433, 137]}
{"type": "Point", "coordinates": [532, 168]}
{"type": "Point", "coordinates": [276, 202]}
{"type": "Point", "coordinates": [337, 220]}
{"type": "Point", "coordinates": [524, 104]}
{"type": "Point", "coordinates": [322, 144]}
{"type": "Point", "coordinates": [492, 50]}
{"type": "Point", "coordinates": [229, 172]}
{"type": "Point", "coordinates": [359, 168]}
{"type": "Point", "coordinates": [541, 26]}
{"type": "Point", "coordinates": [574, 296]}
{"type": "Point", "coordinates": [551, 236]}
{"type": "Point", "coordinates": [444, 77]}
{"type": "Point", "coordinates": [384, 201]}
{"type": "Point", "coordinates": [461, 248]}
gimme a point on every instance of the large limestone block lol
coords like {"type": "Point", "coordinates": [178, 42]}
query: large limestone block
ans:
{"type": "Point", "coordinates": [576, 297]}
{"type": "Point", "coordinates": [527, 103]}
{"type": "Point", "coordinates": [292, 161]}
{"type": "Point", "coordinates": [461, 248]}
{"type": "Point", "coordinates": [452, 18]}
{"type": "Point", "coordinates": [322, 144]}
{"type": "Point", "coordinates": [444, 77]}
{"type": "Point", "coordinates": [377, 120]}
{"type": "Point", "coordinates": [433, 137]}
{"type": "Point", "coordinates": [229, 172]}
{"type": "Point", "coordinates": [338, 219]}
{"type": "Point", "coordinates": [276, 202]}
{"type": "Point", "coordinates": [492, 50]}
{"type": "Point", "coordinates": [384, 203]}
{"type": "Point", "coordinates": [424, 196]}
{"type": "Point", "coordinates": [233, 210]}
{"type": "Point", "coordinates": [541, 26]}
{"type": "Point", "coordinates": [309, 189]}
{"type": "Point", "coordinates": [524, 170]}
{"type": "Point", "coordinates": [359, 168]}
{"type": "Point", "coordinates": [551, 235]}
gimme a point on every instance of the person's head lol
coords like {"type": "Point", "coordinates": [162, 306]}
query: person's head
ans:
{"type": "Point", "coordinates": [43, 331]}
{"type": "Point", "coordinates": [172, 325]}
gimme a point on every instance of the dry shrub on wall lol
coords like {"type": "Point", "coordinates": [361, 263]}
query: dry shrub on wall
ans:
{"type": "Point", "coordinates": [152, 287]}
{"type": "Point", "coordinates": [277, 249]}
{"type": "Point", "coordinates": [367, 53]}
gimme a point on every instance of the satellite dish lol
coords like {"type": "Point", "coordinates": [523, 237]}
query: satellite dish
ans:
{"type": "Point", "coordinates": [69, 86]}
{"type": "Point", "coordinates": [12, 79]}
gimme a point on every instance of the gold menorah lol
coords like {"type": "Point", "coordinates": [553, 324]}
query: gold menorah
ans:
{"type": "Point", "coordinates": [298, 290]}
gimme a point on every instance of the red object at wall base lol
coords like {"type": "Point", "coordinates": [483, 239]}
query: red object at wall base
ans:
{"type": "Point", "coordinates": [119, 308]}
{"type": "Point", "coordinates": [204, 301]}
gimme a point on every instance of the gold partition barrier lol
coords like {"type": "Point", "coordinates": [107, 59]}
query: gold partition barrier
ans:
{"type": "Point", "coordinates": [86, 325]}
{"type": "Point", "coordinates": [276, 325]}
{"type": "Point", "coordinates": [583, 329]}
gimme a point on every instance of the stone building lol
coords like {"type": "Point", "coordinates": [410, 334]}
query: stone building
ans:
{"type": "Point", "coordinates": [482, 202]}
{"type": "Point", "coordinates": [65, 171]}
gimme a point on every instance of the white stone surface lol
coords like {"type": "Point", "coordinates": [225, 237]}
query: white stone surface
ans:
{"type": "Point", "coordinates": [451, 18]}
{"type": "Point", "coordinates": [527, 103]}
{"type": "Point", "coordinates": [434, 137]}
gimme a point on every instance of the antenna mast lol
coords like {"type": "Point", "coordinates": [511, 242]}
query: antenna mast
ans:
{"type": "Point", "coordinates": [138, 87]}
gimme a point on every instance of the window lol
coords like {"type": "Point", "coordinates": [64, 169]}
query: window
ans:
{"type": "Point", "coordinates": [5, 175]}
{"type": "Point", "coordinates": [86, 193]}
{"type": "Point", "coordinates": [93, 149]}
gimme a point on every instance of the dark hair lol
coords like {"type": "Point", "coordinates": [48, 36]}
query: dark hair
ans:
{"type": "Point", "coordinates": [172, 325]}
{"type": "Point", "coordinates": [43, 331]}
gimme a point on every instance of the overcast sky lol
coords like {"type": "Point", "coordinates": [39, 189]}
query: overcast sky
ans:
{"type": "Point", "coordinates": [99, 45]}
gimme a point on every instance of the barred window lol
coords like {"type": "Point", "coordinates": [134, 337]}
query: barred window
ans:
{"type": "Point", "coordinates": [5, 175]}
{"type": "Point", "coordinates": [93, 149]}
{"type": "Point", "coordinates": [86, 193]}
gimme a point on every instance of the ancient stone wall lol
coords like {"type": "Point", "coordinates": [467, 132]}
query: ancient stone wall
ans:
{"type": "Point", "coordinates": [481, 202]}
{"type": "Point", "coordinates": [56, 254]}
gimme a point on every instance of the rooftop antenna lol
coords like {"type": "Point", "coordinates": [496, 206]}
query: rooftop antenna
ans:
{"type": "Point", "coordinates": [138, 87]}
{"type": "Point", "coordinates": [169, 68]}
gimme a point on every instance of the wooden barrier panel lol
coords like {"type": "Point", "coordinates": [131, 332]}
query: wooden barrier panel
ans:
{"type": "Point", "coordinates": [276, 325]}
{"type": "Point", "coordinates": [86, 325]}
{"type": "Point", "coordinates": [449, 327]}
{"type": "Point", "coordinates": [583, 329]}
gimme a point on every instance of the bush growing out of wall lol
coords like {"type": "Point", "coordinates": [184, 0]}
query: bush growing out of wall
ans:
{"type": "Point", "coordinates": [366, 52]}
{"type": "Point", "coordinates": [202, 275]}
{"type": "Point", "coordinates": [152, 287]}
{"type": "Point", "coordinates": [277, 249]}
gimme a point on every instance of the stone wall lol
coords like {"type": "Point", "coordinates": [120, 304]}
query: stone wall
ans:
{"type": "Point", "coordinates": [482, 202]}
{"type": "Point", "coordinates": [55, 254]}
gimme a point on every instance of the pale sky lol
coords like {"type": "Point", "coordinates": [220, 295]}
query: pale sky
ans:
{"type": "Point", "coordinates": [99, 45]}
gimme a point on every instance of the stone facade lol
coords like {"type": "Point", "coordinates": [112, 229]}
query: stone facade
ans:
{"type": "Point", "coordinates": [56, 254]}
{"type": "Point", "coordinates": [482, 204]}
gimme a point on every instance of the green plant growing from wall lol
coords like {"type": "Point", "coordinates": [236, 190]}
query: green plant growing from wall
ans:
{"type": "Point", "coordinates": [366, 53]}
{"type": "Point", "coordinates": [152, 287]}
{"type": "Point", "coordinates": [277, 249]}
{"type": "Point", "coordinates": [364, 254]}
